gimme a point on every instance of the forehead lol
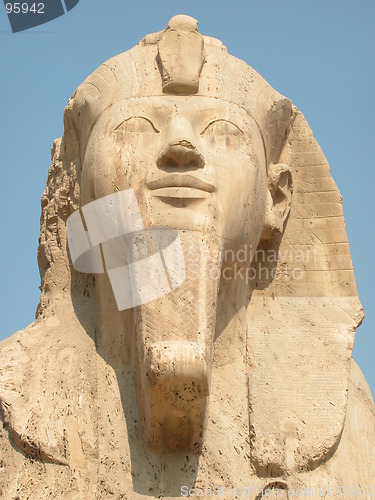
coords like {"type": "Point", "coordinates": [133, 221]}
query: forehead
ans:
{"type": "Point", "coordinates": [161, 110]}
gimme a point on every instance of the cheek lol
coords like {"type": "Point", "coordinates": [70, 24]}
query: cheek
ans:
{"type": "Point", "coordinates": [102, 167]}
{"type": "Point", "coordinates": [115, 163]}
{"type": "Point", "coordinates": [250, 200]}
{"type": "Point", "coordinates": [256, 202]}
{"type": "Point", "coordinates": [241, 200]}
{"type": "Point", "coordinates": [240, 180]}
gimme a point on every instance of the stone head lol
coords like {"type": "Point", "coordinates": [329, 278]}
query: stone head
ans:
{"type": "Point", "coordinates": [208, 148]}
{"type": "Point", "coordinates": [196, 135]}
{"type": "Point", "coordinates": [195, 132]}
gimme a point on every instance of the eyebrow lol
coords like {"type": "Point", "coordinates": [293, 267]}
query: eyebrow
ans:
{"type": "Point", "coordinates": [138, 116]}
{"type": "Point", "coordinates": [200, 117]}
{"type": "Point", "coordinates": [220, 120]}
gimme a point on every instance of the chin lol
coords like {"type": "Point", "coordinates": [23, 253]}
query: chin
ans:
{"type": "Point", "coordinates": [190, 214]}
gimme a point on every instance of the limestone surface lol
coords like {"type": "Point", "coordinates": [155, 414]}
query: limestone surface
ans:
{"type": "Point", "coordinates": [227, 371]}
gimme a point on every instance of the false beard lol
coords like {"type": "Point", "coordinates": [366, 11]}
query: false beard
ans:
{"type": "Point", "coordinates": [175, 336]}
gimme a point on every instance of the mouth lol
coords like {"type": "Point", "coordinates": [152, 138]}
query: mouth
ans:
{"type": "Point", "coordinates": [181, 186]}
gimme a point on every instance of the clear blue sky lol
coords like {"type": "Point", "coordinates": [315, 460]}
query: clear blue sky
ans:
{"type": "Point", "coordinates": [318, 53]}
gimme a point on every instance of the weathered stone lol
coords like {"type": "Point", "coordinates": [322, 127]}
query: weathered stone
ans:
{"type": "Point", "coordinates": [241, 374]}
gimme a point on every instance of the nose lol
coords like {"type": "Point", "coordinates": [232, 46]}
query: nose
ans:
{"type": "Point", "coordinates": [180, 155]}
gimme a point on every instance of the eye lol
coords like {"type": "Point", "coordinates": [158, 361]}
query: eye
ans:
{"type": "Point", "coordinates": [221, 127]}
{"type": "Point", "coordinates": [137, 124]}
{"type": "Point", "coordinates": [223, 134]}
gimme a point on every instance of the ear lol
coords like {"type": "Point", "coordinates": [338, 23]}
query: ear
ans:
{"type": "Point", "coordinates": [279, 197]}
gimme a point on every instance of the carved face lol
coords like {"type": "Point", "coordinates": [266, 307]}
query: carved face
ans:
{"type": "Point", "coordinates": [193, 162]}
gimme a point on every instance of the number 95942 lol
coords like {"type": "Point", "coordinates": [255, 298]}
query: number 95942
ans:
{"type": "Point", "coordinates": [24, 8]}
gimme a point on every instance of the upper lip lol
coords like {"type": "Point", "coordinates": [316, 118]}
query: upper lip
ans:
{"type": "Point", "coordinates": [181, 180]}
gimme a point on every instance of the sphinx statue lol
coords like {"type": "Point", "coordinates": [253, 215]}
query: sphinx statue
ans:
{"type": "Point", "coordinates": [198, 302]}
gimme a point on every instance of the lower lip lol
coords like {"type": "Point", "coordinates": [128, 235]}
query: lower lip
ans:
{"type": "Point", "coordinates": [180, 193]}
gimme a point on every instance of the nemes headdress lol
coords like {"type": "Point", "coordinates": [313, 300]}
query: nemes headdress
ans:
{"type": "Point", "coordinates": [302, 321]}
{"type": "Point", "coordinates": [179, 61]}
